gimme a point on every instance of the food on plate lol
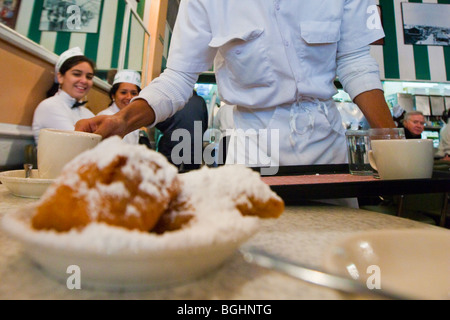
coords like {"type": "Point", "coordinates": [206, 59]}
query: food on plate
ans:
{"type": "Point", "coordinates": [115, 183]}
{"type": "Point", "coordinates": [207, 193]}
{"type": "Point", "coordinates": [136, 188]}
{"type": "Point", "coordinates": [230, 187]}
{"type": "Point", "coordinates": [179, 213]}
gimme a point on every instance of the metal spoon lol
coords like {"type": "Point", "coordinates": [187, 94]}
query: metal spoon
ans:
{"type": "Point", "coordinates": [28, 167]}
{"type": "Point", "coordinates": [293, 269]}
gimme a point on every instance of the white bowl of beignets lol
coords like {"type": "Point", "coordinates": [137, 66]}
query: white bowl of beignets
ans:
{"type": "Point", "coordinates": [124, 217]}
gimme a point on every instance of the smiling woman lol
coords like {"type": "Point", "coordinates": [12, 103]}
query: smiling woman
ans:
{"type": "Point", "coordinates": [78, 80]}
{"type": "Point", "coordinates": [126, 86]}
{"type": "Point", "coordinates": [64, 106]}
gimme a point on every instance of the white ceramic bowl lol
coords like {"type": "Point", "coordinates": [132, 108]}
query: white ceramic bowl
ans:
{"type": "Point", "coordinates": [415, 262]}
{"type": "Point", "coordinates": [32, 187]}
{"type": "Point", "coordinates": [113, 258]}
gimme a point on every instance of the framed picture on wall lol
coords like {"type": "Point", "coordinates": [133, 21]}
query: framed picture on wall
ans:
{"type": "Point", "coordinates": [8, 12]}
{"type": "Point", "coordinates": [70, 15]}
{"type": "Point", "coordinates": [423, 104]}
{"type": "Point", "coordinates": [437, 105]}
{"type": "Point", "coordinates": [426, 23]}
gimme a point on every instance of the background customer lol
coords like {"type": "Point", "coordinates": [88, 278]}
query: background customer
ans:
{"type": "Point", "coordinates": [194, 112]}
{"type": "Point", "coordinates": [414, 124]}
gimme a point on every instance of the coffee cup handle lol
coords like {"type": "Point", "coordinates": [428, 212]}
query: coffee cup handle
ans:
{"type": "Point", "coordinates": [372, 160]}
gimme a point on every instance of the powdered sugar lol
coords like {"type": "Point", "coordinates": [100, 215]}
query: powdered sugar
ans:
{"type": "Point", "coordinates": [214, 193]}
{"type": "Point", "coordinates": [137, 165]}
{"type": "Point", "coordinates": [224, 187]}
{"type": "Point", "coordinates": [152, 168]}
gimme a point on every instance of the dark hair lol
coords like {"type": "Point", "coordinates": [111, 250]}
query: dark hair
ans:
{"type": "Point", "coordinates": [67, 65]}
{"type": "Point", "coordinates": [114, 89]}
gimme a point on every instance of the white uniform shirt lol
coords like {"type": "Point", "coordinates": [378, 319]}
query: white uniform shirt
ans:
{"type": "Point", "coordinates": [56, 112]}
{"type": "Point", "coordinates": [132, 137]}
{"type": "Point", "coordinates": [276, 60]}
{"type": "Point", "coordinates": [276, 50]}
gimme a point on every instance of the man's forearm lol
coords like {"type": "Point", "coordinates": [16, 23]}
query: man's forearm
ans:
{"type": "Point", "coordinates": [137, 114]}
{"type": "Point", "coordinates": [374, 107]}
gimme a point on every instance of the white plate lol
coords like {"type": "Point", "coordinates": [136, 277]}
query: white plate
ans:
{"type": "Point", "coordinates": [114, 258]}
{"type": "Point", "coordinates": [32, 187]}
{"type": "Point", "coordinates": [415, 262]}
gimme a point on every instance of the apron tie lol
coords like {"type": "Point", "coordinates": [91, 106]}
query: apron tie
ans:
{"type": "Point", "coordinates": [303, 105]}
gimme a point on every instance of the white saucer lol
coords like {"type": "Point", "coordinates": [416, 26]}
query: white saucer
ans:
{"type": "Point", "coordinates": [32, 187]}
{"type": "Point", "coordinates": [415, 262]}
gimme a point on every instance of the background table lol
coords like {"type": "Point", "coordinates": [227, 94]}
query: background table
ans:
{"type": "Point", "coordinates": [302, 233]}
{"type": "Point", "coordinates": [298, 183]}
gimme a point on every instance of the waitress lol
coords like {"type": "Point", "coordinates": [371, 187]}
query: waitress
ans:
{"type": "Point", "coordinates": [64, 105]}
{"type": "Point", "coordinates": [276, 62]}
{"type": "Point", "coordinates": [126, 85]}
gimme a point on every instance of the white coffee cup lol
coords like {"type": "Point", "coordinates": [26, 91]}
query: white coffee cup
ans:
{"type": "Point", "coordinates": [402, 158]}
{"type": "Point", "coordinates": [57, 147]}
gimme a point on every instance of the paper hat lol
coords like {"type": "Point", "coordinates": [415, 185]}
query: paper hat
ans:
{"type": "Point", "coordinates": [129, 76]}
{"type": "Point", "coordinates": [67, 55]}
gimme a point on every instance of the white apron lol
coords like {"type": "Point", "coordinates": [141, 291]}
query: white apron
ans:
{"type": "Point", "coordinates": [309, 132]}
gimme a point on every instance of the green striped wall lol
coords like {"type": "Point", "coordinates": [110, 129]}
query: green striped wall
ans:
{"type": "Point", "coordinates": [409, 62]}
{"type": "Point", "coordinates": [397, 60]}
{"type": "Point", "coordinates": [102, 47]}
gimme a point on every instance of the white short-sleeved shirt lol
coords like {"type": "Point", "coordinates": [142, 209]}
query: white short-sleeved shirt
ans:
{"type": "Point", "coordinates": [132, 137]}
{"type": "Point", "coordinates": [56, 112]}
{"type": "Point", "coordinates": [267, 52]}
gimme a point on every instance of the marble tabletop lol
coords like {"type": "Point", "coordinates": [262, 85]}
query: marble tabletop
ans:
{"type": "Point", "coordinates": [302, 233]}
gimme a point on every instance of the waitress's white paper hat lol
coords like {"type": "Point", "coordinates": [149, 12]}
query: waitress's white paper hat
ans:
{"type": "Point", "coordinates": [129, 76]}
{"type": "Point", "coordinates": [67, 55]}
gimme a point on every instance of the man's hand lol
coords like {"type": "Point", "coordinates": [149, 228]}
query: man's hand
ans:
{"type": "Point", "coordinates": [134, 116]}
{"type": "Point", "coordinates": [106, 126]}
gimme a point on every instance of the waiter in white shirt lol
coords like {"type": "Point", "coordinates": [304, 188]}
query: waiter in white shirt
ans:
{"type": "Point", "coordinates": [276, 62]}
{"type": "Point", "coordinates": [126, 86]}
{"type": "Point", "coordinates": [74, 74]}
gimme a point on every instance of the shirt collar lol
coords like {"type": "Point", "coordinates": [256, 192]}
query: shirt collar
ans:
{"type": "Point", "coordinates": [68, 100]}
{"type": "Point", "coordinates": [114, 108]}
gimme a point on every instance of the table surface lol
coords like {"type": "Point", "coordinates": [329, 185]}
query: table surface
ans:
{"type": "Point", "coordinates": [302, 233]}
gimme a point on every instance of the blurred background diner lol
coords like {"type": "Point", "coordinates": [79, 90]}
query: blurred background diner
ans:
{"type": "Point", "coordinates": [414, 124]}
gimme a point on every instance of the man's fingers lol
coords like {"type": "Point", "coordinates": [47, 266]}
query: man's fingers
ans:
{"type": "Point", "coordinates": [93, 125]}
{"type": "Point", "coordinates": [83, 125]}
{"type": "Point", "coordinates": [105, 128]}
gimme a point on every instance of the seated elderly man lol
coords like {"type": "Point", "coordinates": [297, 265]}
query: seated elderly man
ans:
{"type": "Point", "coordinates": [414, 124]}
